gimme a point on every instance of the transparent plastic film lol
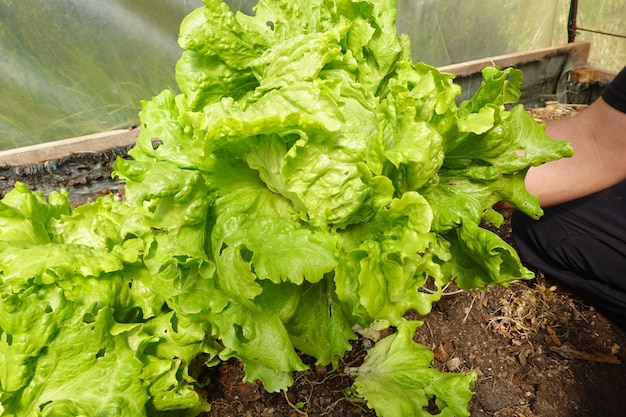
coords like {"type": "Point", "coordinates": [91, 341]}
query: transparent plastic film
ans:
{"type": "Point", "coordinates": [77, 67]}
{"type": "Point", "coordinates": [601, 22]}
{"type": "Point", "coordinates": [71, 67]}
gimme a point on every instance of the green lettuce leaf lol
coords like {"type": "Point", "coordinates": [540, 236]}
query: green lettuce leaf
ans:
{"type": "Point", "coordinates": [54, 348]}
{"type": "Point", "coordinates": [320, 325]}
{"type": "Point", "coordinates": [25, 216]}
{"type": "Point", "coordinates": [389, 259]}
{"type": "Point", "coordinates": [307, 178]}
{"type": "Point", "coordinates": [73, 314]}
{"type": "Point", "coordinates": [258, 338]}
{"type": "Point", "coordinates": [397, 379]}
{"type": "Point", "coordinates": [323, 153]}
{"type": "Point", "coordinates": [482, 259]}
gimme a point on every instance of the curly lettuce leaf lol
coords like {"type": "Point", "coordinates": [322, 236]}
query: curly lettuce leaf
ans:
{"type": "Point", "coordinates": [264, 227]}
{"type": "Point", "coordinates": [256, 336]}
{"type": "Point", "coordinates": [389, 259]}
{"type": "Point", "coordinates": [214, 30]}
{"type": "Point", "coordinates": [321, 325]}
{"type": "Point", "coordinates": [66, 346]}
{"type": "Point", "coordinates": [308, 177]}
{"type": "Point", "coordinates": [76, 312]}
{"type": "Point", "coordinates": [397, 379]}
{"type": "Point", "coordinates": [482, 258]}
{"type": "Point", "coordinates": [78, 352]}
{"type": "Point", "coordinates": [327, 154]}
{"type": "Point", "coordinates": [25, 216]}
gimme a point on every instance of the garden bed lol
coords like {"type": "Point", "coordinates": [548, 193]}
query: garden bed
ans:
{"type": "Point", "coordinates": [536, 350]}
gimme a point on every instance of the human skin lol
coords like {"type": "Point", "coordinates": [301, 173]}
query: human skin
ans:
{"type": "Point", "coordinates": [598, 138]}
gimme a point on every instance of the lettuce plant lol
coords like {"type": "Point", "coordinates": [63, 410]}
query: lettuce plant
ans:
{"type": "Point", "coordinates": [308, 178]}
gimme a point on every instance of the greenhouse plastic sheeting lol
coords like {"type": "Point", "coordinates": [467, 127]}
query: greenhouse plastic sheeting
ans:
{"type": "Point", "coordinates": [75, 67]}
{"type": "Point", "coordinates": [602, 24]}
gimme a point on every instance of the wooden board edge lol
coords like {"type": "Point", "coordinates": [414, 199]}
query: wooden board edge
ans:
{"type": "Point", "coordinates": [49, 151]}
{"type": "Point", "coordinates": [587, 75]}
{"type": "Point", "coordinates": [579, 51]}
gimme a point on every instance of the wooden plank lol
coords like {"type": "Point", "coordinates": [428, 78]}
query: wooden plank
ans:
{"type": "Point", "coordinates": [37, 154]}
{"type": "Point", "coordinates": [578, 51]}
{"type": "Point", "coordinates": [589, 75]}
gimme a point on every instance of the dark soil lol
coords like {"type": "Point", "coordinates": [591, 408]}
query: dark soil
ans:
{"type": "Point", "coordinates": [537, 350]}
{"type": "Point", "coordinates": [85, 176]}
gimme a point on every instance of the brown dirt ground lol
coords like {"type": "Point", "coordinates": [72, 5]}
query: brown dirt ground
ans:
{"type": "Point", "coordinates": [537, 350]}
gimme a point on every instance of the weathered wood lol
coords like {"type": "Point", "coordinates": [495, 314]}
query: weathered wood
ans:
{"type": "Point", "coordinates": [548, 74]}
{"type": "Point", "coordinates": [589, 75]}
{"type": "Point", "coordinates": [37, 154]}
{"type": "Point", "coordinates": [577, 51]}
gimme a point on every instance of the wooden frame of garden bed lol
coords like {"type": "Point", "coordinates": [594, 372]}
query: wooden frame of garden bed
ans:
{"type": "Point", "coordinates": [50, 151]}
{"type": "Point", "coordinates": [577, 51]}
{"type": "Point", "coordinates": [542, 70]}
{"type": "Point", "coordinates": [547, 73]}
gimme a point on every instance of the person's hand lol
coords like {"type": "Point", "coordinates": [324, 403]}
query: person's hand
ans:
{"type": "Point", "coordinates": [598, 137]}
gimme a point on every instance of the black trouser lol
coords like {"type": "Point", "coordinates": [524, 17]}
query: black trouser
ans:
{"type": "Point", "coordinates": [582, 245]}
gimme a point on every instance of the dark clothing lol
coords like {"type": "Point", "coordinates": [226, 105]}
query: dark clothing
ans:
{"type": "Point", "coordinates": [582, 243]}
{"type": "Point", "coordinates": [615, 93]}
